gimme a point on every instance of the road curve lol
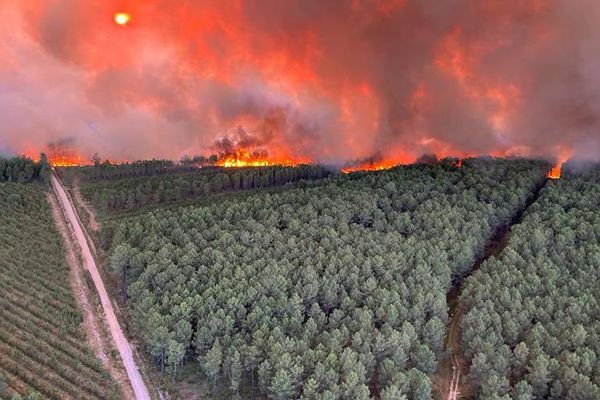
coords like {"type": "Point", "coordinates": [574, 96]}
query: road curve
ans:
{"type": "Point", "coordinates": [121, 343]}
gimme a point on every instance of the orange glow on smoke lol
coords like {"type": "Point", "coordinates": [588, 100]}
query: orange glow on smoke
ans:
{"type": "Point", "coordinates": [462, 62]}
{"type": "Point", "coordinates": [453, 59]}
{"type": "Point", "coordinates": [301, 82]}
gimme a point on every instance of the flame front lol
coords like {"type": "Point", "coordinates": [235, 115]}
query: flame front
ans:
{"type": "Point", "coordinates": [563, 154]}
{"type": "Point", "coordinates": [369, 166]}
{"type": "Point", "coordinates": [554, 172]}
{"type": "Point", "coordinates": [66, 161]}
{"type": "Point", "coordinates": [59, 156]}
{"type": "Point", "coordinates": [244, 158]}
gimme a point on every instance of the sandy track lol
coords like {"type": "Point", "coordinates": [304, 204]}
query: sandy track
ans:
{"type": "Point", "coordinates": [94, 327]}
{"type": "Point", "coordinates": [121, 343]}
{"type": "Point", "coordinates": [93, 223]}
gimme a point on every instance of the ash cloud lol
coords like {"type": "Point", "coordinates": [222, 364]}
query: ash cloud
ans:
{"type": "Point", "coordinates": [327, 81]}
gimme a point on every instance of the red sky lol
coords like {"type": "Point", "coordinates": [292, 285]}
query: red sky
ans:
{"type": "Point", "coordinates": [328, 81]}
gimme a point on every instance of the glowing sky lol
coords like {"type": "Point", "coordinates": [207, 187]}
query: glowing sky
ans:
{"type": "Point", "coordinates": [307, 79]}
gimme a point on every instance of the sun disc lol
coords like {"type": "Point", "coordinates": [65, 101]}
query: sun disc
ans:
{"type": "Point", "coordinates": [122, 18]}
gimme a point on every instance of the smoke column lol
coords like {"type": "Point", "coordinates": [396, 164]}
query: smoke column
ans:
{"type": "Point", "coordinates": [303, 80]}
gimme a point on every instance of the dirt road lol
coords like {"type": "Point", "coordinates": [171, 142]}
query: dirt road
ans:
{"type": "Point", "coordinates": [453, 343]}
{"type": "Point", "coordinates": [451, 381]}
{"type": "Point", "coordinates": [121, 343]}
{"type": "Point", "coordinates": [453, 392]}
{"type": "Point", "coordinates": [91, 221]}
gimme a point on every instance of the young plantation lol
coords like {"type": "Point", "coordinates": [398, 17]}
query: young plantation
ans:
{"type": "Point", "coordinates": [44, 353]}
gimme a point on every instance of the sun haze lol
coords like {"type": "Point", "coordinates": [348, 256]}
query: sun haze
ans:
{"type": "Point", "coordinates": [122, 18]}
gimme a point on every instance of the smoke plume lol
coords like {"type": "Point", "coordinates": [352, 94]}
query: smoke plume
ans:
{"type": "Point", "coordinates": [302, 79]}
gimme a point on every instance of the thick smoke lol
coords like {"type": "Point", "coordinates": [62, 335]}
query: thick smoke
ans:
{"type": "Point", "coordinates": [306, 79]}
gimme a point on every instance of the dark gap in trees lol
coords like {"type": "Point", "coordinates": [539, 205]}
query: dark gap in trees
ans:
{"type": "Point", "coordinates": [493, 248]}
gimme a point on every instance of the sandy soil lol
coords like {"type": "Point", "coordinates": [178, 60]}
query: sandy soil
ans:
{"type": "Point", "coordinates": [88, 261]}
{"type": "Point", "coordinates": [93, 223]}
{"type": "Point", "coordinates": [92, 324]}
{"type": "Point", "coordinates": [450, 381]}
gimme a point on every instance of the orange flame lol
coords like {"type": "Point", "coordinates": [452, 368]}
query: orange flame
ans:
{"type": "Point", "coordinates": [244, 158]}
{"type": "Point", "coordinates": [67, 161]}
{"type": "Point", "coordinates": [554, 172]}
{"type": "Point", "coordinates": [60, 158]}
{"type": "Point", "coordinates": [369, 166]}
{"type": "Point", "coordinates": [563, 155]}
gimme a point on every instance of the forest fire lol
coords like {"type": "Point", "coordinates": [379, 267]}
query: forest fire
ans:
{"type": "Point", "coordinates": [59, 155]}
{"type": "Point", "coordinates": [66, 161]}
{"type": "Point", "coordinates": [563, 155]}
{"type": "Point", "coordinates": [554, 172]}
{"type": "Point", "coordinates": [368, 166]}
{"type": "Point", "coordinates": [62, 160]}
{"type": "Point", "coordinates": [348, 160]}
{"type": "Point", "coordinates": [234, 162]}
{"type": "Point", "coordinates": [243, 158]}
{"type": "Point", "coordinates": [287, 78]}
{"type": "Point", "coordinates": [286, 81]}
{"type": "Point", "coordinates": [64, 154]}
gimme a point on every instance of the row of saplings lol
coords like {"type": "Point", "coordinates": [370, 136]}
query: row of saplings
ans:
{"type": "Point", "coordinates": [33, 395]}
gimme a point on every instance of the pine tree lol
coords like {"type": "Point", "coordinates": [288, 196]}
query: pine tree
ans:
{"type": "Point", "coordinates": [539, 376]}
{"type": "Point", "coordinates": [310, 390]}
{"type": "Point", "coordinates": [392, 393]}
{"type": "Point", "coordinates": [44, 166]}
{"type": "Point", "coordinates": [174, 353]}
{"type": "Point", "coordinates": [119, 263]}
{"type": "Point", "coordinates": [281, 387]}
{"type": "Point", "coordinates": [523, 391]}
{"type": "Point", "coordinates": [236, 372]}
{"type": "Point", "coordinates": [211, 363]}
